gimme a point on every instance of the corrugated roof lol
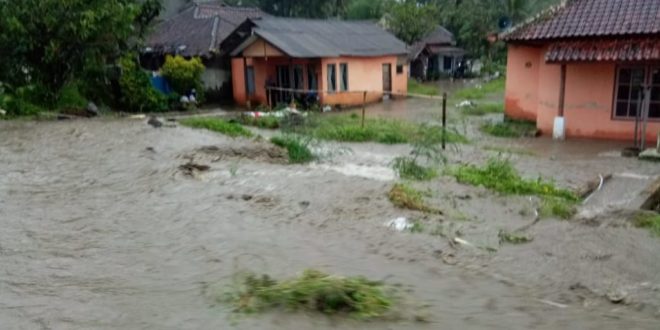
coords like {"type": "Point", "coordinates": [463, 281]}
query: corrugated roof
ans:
{"type": "Point", "coordinates": [311, 38]}
{"type": "Point", "coordinates": [646, 49]}
{"type": "Point", "coordinates": [438, 37]}
{"type": "Point", "coordinates": [199, 29]}
{"type": "Point", "coordinates": [591, 18]}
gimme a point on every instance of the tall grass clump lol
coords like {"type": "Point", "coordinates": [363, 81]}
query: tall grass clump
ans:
{"type": "Point", "coordinates": [483, 109]}
{"type": "Point", "coordinates": [406, 197]}
{"type": "Point", "coordinates": [314, 291]}
{"type": "Point", "coordinates": [298, 148]}
{"type": "Point", "coordinates": [218, 125]}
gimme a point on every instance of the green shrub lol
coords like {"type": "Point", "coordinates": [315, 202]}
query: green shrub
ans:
{"type": "Point", "coordinates": [297, 147]}
{"type": "Point", "coordinates": [138, 95]}
{"type": "Point", "coordinates": [184, 75]}
{"type": "Point", "coordinates": [19, 101]}
{"type": "Point", "coordinates": [70, 98]}
{"type": "Point", "coordinates": [314, 291]}
{"type": "Point", "coordinates": [218, 125]}
{"type": "Point", "coordinates": [500, 175]}
{"type": "Point", "coordinates": [561, 208]}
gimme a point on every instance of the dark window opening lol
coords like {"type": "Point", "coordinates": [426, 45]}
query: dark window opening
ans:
{"type": "Point", "coordinates": [630, 92]}
{"type": "Point", "coordinates": [343, 69]}
{"type": "Point", "coordinates": [332, 77]}
{"type": "Point", "coordinates": [447, 63]}
{"type": "Point", "coordinates": [298, 77]}
{"type": "Point", "coordinates": [399, 69]}
{"type": "Point", "coordinates": [312, 80]}
{"type": "Point", "coordinates": [250, 81]}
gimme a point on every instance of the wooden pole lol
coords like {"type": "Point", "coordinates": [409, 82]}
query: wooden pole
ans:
{"type": "Point", "coordinates": [364, 107]}
{"type": "Point", "coordinates": [444, 121]}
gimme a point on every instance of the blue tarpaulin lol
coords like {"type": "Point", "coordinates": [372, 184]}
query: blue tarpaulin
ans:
{"type": "Point", "coordinates": [161, 84]}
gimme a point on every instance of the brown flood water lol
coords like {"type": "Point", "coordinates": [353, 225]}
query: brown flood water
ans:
{"type": "Point", "coordinates": [101, 230]}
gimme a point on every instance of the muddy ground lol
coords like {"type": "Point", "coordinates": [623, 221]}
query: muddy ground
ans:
{"type": "Point", "coordinates": [105, 227]}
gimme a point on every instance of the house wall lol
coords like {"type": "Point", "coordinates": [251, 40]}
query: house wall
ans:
{"type": "Point", "coordinates": [532, 93]}
{"type": "Point", "coordinates": [363, 73]}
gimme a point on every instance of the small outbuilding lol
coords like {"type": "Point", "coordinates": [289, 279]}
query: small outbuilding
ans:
{"type": "Point", "coordinates": [435, 56]}
{"type": "Point", "coordinates": [276, 60]}
{"type": "Point", "coordinates": [588, 68]}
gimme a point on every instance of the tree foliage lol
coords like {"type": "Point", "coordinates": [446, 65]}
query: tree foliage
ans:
{"type": "Point", "coordinates": [48, 42]}
{"type": "Point", "coordinates": [410, 21]}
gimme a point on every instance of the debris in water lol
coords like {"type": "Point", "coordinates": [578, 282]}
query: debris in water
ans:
{"type": "Point", "coordinates": [191, 168]}
{"type": "Point", "coordinates": [463, 242]}
{"type": "Point", "coordinates": [137, 116]}
{"type": "Point", "coordinates": [399, 224]}
{"type": "Point", "coordinates": [155, 122]}
{"type": "Point", "coordinates": [617, 297]}
{"type": "Point", "coordinates": [552, 303]}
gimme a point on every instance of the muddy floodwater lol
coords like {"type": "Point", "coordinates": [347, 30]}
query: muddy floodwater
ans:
{"type": "Point", "coordinates": [102, 228]}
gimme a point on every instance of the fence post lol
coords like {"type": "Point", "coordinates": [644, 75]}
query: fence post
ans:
{"type": "Point", "coordinates": [364, 106]}
{"type": "Point", "coordinates": [444, 121]}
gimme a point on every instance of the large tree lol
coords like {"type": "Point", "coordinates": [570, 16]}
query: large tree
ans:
{"type": "Point", "coordinates": [47, 42]}
{"type": "Point", "coordinates": [410, 20]}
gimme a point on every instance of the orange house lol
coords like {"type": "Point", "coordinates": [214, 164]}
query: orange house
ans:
{"type": "Point", "coordinates": [339, 63]}
{"type": "Point", "coordinates": [588, 68]}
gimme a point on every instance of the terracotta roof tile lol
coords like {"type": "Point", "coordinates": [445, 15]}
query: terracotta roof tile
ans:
{"type": "Point", "coordinates": [590, 18]}
{"type": "Point", "coordinates": [630, 50]}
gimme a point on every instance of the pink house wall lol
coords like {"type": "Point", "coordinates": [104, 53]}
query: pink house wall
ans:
{"type": "Point", "coordinates": [532, 93]}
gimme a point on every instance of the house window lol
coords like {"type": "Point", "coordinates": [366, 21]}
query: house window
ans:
{"type": "Point", "coordinates": [629, 99]}
{"type": "Point", "coordinates": [399, 69]}
{"type": "Point", "coordinates": [332, 77]}
{"type": "Point", "coordinates": [298, 77]}
{"type": "Point", "coordinates": [312, 80]}
{"type": "Point", "coordinates": [343, 69]}
{"type": "Point", "coordinates": [250, 81]}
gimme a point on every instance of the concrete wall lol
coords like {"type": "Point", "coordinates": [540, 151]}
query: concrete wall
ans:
{"type": "Point", "coordinates": [532, 93]}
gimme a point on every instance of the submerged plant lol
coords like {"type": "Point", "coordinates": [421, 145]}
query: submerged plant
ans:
{"type": "Point", "coordinates": [406, 197]}
{"type": "Point", "coordinates": [648, 220]}
{"type": "Point", "coordinates": [513, 238]}
{"type": "Point", "coordinates": [314, 291]}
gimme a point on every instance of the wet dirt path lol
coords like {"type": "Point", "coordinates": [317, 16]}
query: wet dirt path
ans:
{"type": "Point", "coordinates": [101, 230]}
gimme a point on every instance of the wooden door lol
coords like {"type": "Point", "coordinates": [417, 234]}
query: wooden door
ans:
{"type": "Point", "coordinates": [387, 78]}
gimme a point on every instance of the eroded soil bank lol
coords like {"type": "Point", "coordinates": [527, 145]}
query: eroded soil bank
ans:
{"type": "Point", "coordinates": [103, 229]}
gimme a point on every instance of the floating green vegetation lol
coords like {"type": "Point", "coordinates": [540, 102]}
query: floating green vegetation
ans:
{"type": "Point", "coordinates": [218, 125]}
{"type": "Point", "coordinates": [513, 238]}
{"type": "Point", "coordinates": [558, 207]}
{"type": "Point", "coordinates": [314, 291]}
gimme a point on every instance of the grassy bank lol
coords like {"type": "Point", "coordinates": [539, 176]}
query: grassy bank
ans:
{"type": "Point", "coordinates": [217, 125]}
{"type": "Point", "coordinates": [297, 148]}
{"type": "Point", "coordinates": [345, 128]}
{"type": "Point", "coordinates": [416, 87]}
{"type": "Point", "coordinates": [481, 91]}
{"type": "Point", "coordinates": [510, 129]}
{"type": "Point", "coordinates": [483, 109]}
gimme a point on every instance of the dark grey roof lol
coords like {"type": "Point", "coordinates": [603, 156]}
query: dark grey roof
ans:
{"type": "Point", "coordinates": [438, 37]}
{"type": "Point", "coordinates": [310, 38]}
{"type": "Point", "coordinates": [199, 29]}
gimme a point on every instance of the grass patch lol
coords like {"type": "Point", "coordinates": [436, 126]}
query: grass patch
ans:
{"type": "Point", "coordinates": [512, 238]}
{"type": "Point", "coordinates": [557, 207]}
{"type": "Point", "coordinates": [416, 87]}
{"type": "Point", "coordinates": [510, 129]}
{"type": "Point", "coordinates": [346, 128]}
{"type": "Point", "coordinates": [406, 197]}
{"type": "Point", "coordinates": [648, 220]}
{"type": "Point", "coordinates": [500, 175]}
{"type": "Point", "coordinates": [297, 148]}
{"type": "Point", "coordinates": [480, 92]}
{"type": "Point", "coordinates": [408, 168]}
{"type": "Point", "coordinates": [483, 109]}
{"type": "Point", "coordinates": [268, 122]}
{"type": "Point", "coordinates": [314, 291]}
{"type": "Point", "coordinates": [218, 125]}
